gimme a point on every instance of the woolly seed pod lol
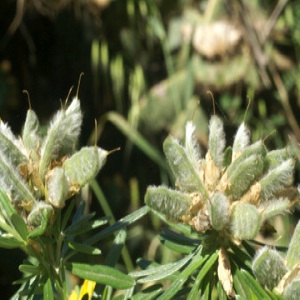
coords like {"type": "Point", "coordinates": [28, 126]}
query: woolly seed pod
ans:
{"type": "Point", "coordinates": [292, 291]}
{"type": "Point", "coordinates": [274, 207]}
{"type": "Point", "coordinates": [216, 141]}
{"type": "Point", "coordinates": [31, 131]}
{"type": "Point", "coordinates": [84, 165]}
{"type": "Point", "coordinates": [12, 182]}
{"type": "Point", "coordinates": [241, 174]}
{"type": "Point", "coordinates": [241, 140]}
{"type": "Point", "coordinates": [257, 148]}
{"type": "Point", "coordinates": [185, 172]}
{"type": "Point", "coordinates": [62, 135]}
{"type": "Point", "coordinates": [171, 203]}
{"type": "Point", "coordinates": [293, 254]}
{"type": "Point", "coordinates": [277, 179]}
{"type": "Point", "coordinates": [191, 145]}
{"type": "Point", "coordinates": [57, 187]}
{"type": "Point", "coordinates": [275, 158]}
{"type": "Point", "coordinates": [245, 221]}
{"type": "Point", "coordinates": [219, 211]}
{"type": "Point", "coordinates": [10, 147]}
{"type": "Point", "coordinates": [268, 267]}
{"type": "Point", "coordinates": [227, 158]}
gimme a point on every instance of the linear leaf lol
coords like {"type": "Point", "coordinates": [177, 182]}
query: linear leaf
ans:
{"type": "Point", "coordinates": [196, 262]}
{"type": "Point", "coordinates": [124, 222]}
{"type": "Point", "coordinates": [101, 274]}
{"type": "Point", "coordinates": [8, 241]}
{"type": "Point", "coordinates": [161, 271]}
{"type": "Point", "coordinates": [48, 291]}
{"type": "Point", "coordinates": [84, 248]}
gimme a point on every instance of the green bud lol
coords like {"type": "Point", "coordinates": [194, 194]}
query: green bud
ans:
{"type": "Point", "coordinates": [171, 203]}
{"type": "Point", "coordinates": [241, 174]}
{"type": "Point", "coordinates": [57, 187]}
{"type": "Point", "coordinates": [274, 207]}
{"type": "Point", "coordinates": [219, 211]}
{"type": "Point", "coordinates": [38, 212]}
{"type": "Point", "coordinates": [84, 165]}
{"type": "Point", "coordinates": [31, 132]}
{"type": "Point", "coordinates": [245, 221]}
{"type": "Point", "coordinates": [268, 267]}
{"type": "Point", "coordinates": [293, 254]}
{"type": "Point", "coordinates": [292, 291]}
{"type": "Point", "coordinates": [216, 142]}
{"type": "Point", "coordinates": [277, 179]}
{"type": "Point", "coordinates": [186, 173]}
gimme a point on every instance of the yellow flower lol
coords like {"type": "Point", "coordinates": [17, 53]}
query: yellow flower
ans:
{"type": "Point", "coordinates": [87, 288]}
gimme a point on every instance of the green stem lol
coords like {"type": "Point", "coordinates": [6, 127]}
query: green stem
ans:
{"type": "Point", "coordinates": [108, 212]}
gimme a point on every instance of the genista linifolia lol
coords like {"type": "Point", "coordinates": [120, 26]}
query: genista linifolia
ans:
{"type": "Point", "coordinates": [229, 195]}
{"type": "Point", "coordinates": [39, 173]}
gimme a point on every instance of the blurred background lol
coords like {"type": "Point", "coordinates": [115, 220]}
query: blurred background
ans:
{"type": "Point", "coordinates": [149, 66]}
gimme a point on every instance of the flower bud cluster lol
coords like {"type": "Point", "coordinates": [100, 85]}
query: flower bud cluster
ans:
{"type": "Point", "coordinates": [39, 173]}
{"type": "Point", "coordinates": [280, 272]}
{"type": "Point", "coordinates": [233, 191]}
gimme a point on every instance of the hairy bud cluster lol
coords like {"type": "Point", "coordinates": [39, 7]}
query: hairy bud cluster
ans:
{"type": "Point", "coordinates": [233, 191]}
{"type": "Point", "coordinates": [280, 272]}
{"type": "Point", "coordinates": [39, 173]}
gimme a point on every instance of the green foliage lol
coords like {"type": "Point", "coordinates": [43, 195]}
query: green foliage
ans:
{"type": "Point", "coordinates": [229, 205]}
{"type": "Point", "coordinates": [38, 175]}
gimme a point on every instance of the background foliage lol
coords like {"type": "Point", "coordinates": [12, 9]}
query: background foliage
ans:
{"type": "Point", "coordinates": [143, 79]}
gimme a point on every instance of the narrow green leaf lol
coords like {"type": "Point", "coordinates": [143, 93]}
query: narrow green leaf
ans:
{"type": "Point", "coordinates": [48, 291]}
{"type": "Point", "coordinates": [7, 208]}
{"type": "Point", "coordinates": [163, 271]}
{"type": "Point", "coordinates": [8, 229]}
{"type": "Point", "coordinates": [115, 250]}
{"type": "Point", "coordinates": [149, 293]}
{"type": "Point", "coordinates": [30, 269]}
{"type": "Point", "coordinates": [207, 266]}
{"type": "Point", "coordinates": [124, 222]}
{"type": "Point", "coordinates": [240, 285]}
{"type": "Point", "coordinates": [20, 226]}
{"type": "Point", "coordinates": [184, 228]}
{"type": "Point", "coordinates": [196, 262]}
{"type": "Point", "coordinates": [254, 286]}
{"type": "Point", "coordinates": [12, 216]}
{"type": "Point", "coordinates": [221, 293]}
{"type": "Point", "coordinates": [83, 248]}
{"type": "Point", "coordinates": [178, 242]}
{"type": "Point", "coordinates": [83, 227]}
{"type": "Point", "coordinates": [8, 241]}
{"type": "Point", "coordinates": [67, 215]}
{"type": "Point", "coordinates": [101, 274]}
